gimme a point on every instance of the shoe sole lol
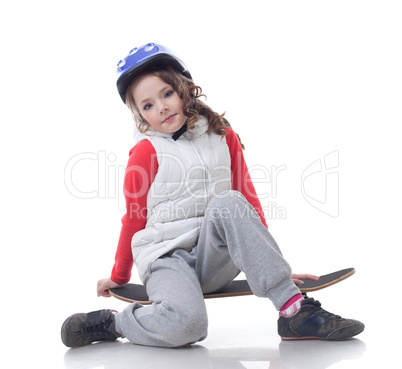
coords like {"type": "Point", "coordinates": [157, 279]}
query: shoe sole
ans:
{"type": "Point", "coordinates": [311, 338]}
{"type": "Point", "coordinates": [319, 338]}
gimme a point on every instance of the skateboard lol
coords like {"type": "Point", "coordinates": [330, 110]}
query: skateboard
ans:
{"type": "Point", "coordinates": [137, 293]}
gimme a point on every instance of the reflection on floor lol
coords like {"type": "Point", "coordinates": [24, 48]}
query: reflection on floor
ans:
{"type": "Point", "coordinates": [301, 355]}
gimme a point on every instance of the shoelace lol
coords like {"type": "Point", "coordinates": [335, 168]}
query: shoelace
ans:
{"type": "Point", "coordinates": [327, 314]}
{"type": "Point", "coordinates": [91, 329]}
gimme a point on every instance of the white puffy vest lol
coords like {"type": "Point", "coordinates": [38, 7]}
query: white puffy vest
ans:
{"type": "Point", "coordinates": [191, 171]}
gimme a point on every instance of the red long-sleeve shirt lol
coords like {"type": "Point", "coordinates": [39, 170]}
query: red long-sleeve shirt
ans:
{"type": "Point", "coordinates": [140, 173]}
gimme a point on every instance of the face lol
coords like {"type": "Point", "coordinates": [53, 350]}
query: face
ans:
{"type": "Point", "coordinates": [159, 104]}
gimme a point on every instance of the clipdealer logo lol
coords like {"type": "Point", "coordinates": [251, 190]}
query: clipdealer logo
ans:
{"type": "Point", "coordinates": [320, 184]}
{"type": "Point", "coordinates": [104, 184]}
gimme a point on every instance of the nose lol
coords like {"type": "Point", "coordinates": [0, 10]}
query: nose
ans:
{"type": "Point", "coordinates": [163, 107]}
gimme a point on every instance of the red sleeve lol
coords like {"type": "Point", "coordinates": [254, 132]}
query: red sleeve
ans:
{"type": "Point", "coordinates": [140, 173]}
{"type": "Point", "coordinates": [241, 180]}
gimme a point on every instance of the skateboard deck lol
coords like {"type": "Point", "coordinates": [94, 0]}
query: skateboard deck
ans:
{"type": "Point", "coordinates": [136, 292]}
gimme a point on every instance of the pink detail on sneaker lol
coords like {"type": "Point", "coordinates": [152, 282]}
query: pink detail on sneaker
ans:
{"type": "Point", "coordinates": [291, 301]}
{"type": "Point", "coordinates": [292, 306]}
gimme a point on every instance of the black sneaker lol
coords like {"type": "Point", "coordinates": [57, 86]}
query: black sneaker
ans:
{"type": "Point", "coordinates": [313, 322]}
{"type": "Point", "coordinates": [83, 329]}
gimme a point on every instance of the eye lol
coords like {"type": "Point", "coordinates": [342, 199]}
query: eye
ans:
{"type": "Point", "coordinates": [147, 106]}
{"type": "Point", "coordinates": [169, 93]}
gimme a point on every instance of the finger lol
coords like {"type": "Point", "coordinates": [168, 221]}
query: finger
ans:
{"type": "Point", "coordinates": [103, 292]}
{"type": "Point", "coordinates": [106, 293]}
{"type": "Point", "coordinates": [298, 282]}
{"type": "Point", "coordinates": [305, 276]}
{"type": "Point", "coordinates": [101, 289]}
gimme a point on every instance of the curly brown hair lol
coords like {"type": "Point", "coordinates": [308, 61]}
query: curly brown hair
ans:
{"type": "Point", "coordinates": [189, 92]}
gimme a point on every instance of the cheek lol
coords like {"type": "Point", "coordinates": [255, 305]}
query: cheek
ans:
{"type": "Point", "coordinates": [149, 116]}
{"type": "Point", "coordinates": [180, 103]}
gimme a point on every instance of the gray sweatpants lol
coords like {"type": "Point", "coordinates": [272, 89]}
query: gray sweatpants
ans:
{"type": "Point", "coordinates": [232, 239]}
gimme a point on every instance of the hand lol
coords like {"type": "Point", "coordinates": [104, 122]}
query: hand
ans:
{"type": "Point", "coordinates": [104, 285]}
{"type": "Point", "coordinates": [297, 278]}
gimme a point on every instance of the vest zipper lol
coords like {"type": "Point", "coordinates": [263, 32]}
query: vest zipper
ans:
{"type": "Point", "coordinates": [207, 185]}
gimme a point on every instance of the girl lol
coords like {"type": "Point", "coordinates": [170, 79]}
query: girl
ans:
{"type": "Point", "coordinates": [193, 221]}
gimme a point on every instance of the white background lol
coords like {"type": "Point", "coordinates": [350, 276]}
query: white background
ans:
{"type": "Point", "coordinates": [298, 80]}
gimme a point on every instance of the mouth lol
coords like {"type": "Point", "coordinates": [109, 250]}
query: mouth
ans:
{"type": "Point", "coordinates": [169, 118]}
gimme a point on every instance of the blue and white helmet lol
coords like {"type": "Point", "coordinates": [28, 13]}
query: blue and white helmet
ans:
{"type": "Point", "coordinates": [143, 58]}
